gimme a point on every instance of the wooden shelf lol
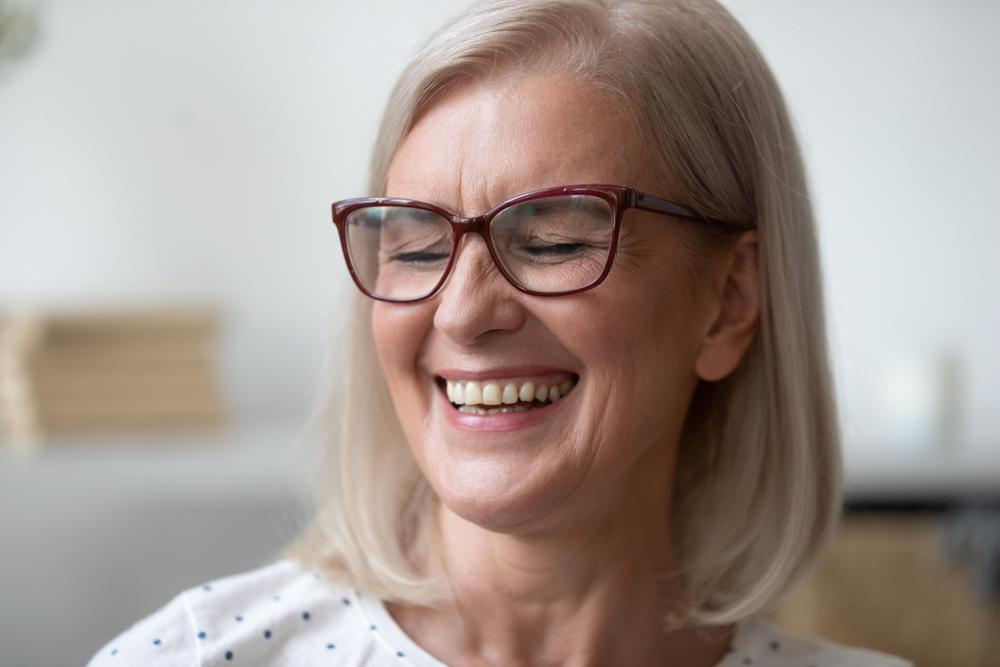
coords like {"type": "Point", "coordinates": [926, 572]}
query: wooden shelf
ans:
{"type": "Point", "coordinates": [250, 460]}
{"type": "Point", "coordinates": [265, 459]}
{"type": "Point", "coordinates": [964, 475]}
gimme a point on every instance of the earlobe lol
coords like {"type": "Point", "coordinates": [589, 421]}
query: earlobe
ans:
{"type": "Point", "coordinates": [736, 305]}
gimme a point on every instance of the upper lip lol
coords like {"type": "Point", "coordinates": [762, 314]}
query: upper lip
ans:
{"type": "Point", "coordinates": [499, 372]}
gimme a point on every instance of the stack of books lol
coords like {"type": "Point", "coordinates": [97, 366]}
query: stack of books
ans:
{"type": "Point", "coordinates": [72, 374]}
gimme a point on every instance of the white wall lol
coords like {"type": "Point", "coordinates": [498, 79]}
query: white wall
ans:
{"type": "Point", "coordinates": [898, 104]}
{"type": "Point", "coordinates": [168, 150]}
{"type": "Point", "coordinates": [173, 149]}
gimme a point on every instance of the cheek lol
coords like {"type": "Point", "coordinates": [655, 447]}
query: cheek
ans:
{"type": "Point", "coordinates": [639, 348]}
{"type": "Point", "coordinates": [640, 325]}
{"type": "Point", "coordinates": [658, 298]}
{"type": "Point", "coordinates": [399, 332]}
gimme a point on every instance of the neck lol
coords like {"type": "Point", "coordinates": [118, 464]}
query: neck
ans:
{"type": "Point", "coordinates": [576, 591]}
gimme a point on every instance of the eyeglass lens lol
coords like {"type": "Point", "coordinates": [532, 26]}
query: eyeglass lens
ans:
{"type": "Point", "coordinates": [547, 245]}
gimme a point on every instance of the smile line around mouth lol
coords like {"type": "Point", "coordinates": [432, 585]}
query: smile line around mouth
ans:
{"type": "Point", "coordinates": [512, 395]}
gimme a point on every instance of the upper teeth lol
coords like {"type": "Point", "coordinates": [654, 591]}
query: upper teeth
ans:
{"type": "Point", "coordinates": [498, 392]}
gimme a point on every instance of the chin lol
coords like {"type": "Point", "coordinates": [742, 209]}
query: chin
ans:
{"type": "Point", "coordinates": [500, 498]}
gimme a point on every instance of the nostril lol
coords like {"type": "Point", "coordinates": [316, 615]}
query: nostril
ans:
{"type": "Point", "coordinates": [477, 301]}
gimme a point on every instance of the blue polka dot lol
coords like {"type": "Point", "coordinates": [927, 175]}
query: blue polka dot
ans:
{"type": "Point", "coordinates": [373, 627]}
{"type": "Point", "coordinates": [399, 653]}
{"type": "Point", "coordinates": [239, 619]}
{"type": "Point", "coordinates": [747, 661]}
{"type": "Point", "coordinates": [775, 646]}
{"type": "Point", "coordinates": [229, 655]}
{"type": "Point", "coordinates": [731, 649]}
{"type": "Point", "coordinates": [267, 634]}
{"type": "Point", "coordinates": [201, 635]}
{"type": "Point", "coordinates": [305, 616]}
{"type": "Point", "coordinates": [317, 575]}
{"type": "Point", "coordinates": [156, 642]}
{"type": "Point", "coordinates": [346, 601]}
{"type": "Point", "coordinates": [114, 652]}
{"type": "Point", "coordinates": [277, 598]}
{"type": "Point", "coordinates": [207, 587]}
{"type": "Point", "coordinates": [331, 646]}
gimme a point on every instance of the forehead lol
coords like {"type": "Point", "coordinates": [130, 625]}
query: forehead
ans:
{"type": "Point", "coordinates": [487, 142]}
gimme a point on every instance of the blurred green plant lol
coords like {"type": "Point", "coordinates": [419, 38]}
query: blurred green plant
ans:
{"type": "Point", "coordinates": [19, 31]}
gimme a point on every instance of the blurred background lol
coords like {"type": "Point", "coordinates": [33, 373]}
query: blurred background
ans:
{"type": "Point", "coordinates": [166, 171]}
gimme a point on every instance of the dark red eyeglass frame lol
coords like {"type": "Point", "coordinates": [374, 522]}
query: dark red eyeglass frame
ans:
{"type": "Point", "coordinates": [619, 197]}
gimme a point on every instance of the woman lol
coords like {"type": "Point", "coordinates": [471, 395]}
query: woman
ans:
{"type": "Point", "coordinates": [586, 416]}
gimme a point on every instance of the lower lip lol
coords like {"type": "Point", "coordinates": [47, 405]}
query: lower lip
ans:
{"type": "Point", "coordinates": [505, 421]}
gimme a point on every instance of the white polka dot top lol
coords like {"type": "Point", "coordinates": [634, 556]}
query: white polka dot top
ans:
{"type": "Point", "coordinates": [284, 615]}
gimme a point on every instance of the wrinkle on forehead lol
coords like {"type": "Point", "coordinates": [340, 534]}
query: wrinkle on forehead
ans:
{"type": "Point", "coordinates": [487, 142]}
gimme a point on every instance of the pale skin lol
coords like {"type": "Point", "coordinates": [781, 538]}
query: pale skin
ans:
{"type": "Point", "coordinates": [555, 536]}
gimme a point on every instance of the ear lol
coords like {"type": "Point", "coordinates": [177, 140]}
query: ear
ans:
{"type": "Point", "coordinates": [735, 311]}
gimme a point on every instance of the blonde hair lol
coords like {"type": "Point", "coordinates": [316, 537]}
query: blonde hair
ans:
{"type": "Point", "coordinates": [757, 489]}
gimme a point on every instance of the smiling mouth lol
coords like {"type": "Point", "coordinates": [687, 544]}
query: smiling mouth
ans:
{"type": "Point", "coordinates": [494, 397]}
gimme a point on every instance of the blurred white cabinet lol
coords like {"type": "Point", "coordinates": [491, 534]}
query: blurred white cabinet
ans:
{"type": "Point", "coordinates": [97, 533]}
{"type": "Point", "coordinates": [942, 477]}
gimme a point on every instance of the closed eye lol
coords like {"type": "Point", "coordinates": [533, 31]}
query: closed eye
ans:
{"type": "Point", "coordinates": [419, 257]}
{"type": "Point", "coordinates": [555, 249]}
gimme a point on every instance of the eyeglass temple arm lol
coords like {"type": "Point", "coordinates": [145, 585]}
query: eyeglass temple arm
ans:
{"type": "Point", "coordinates": [653, 204]}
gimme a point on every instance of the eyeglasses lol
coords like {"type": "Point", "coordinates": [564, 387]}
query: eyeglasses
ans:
{"type": "Point", "coordinates": [548, 242]}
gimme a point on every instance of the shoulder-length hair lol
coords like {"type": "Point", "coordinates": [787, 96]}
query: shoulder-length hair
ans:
{"type": "Point", "coordinates": [758, 474]}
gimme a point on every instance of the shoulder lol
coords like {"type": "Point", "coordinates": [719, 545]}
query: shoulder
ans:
{"type": "Point", "coordinates": [757, 642]}
{"type": "Point", "coordinates": [282, 614]}
{"type": "Point", "coordinates": [165, 638]}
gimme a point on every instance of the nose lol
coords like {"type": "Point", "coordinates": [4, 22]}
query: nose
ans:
{"type": "Point", "coordinates": [477, 300]}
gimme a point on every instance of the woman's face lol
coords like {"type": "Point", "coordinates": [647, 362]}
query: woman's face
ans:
{"type": "Point", "coordinates": [630, 345]}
